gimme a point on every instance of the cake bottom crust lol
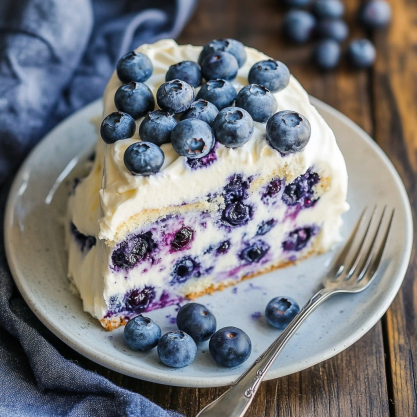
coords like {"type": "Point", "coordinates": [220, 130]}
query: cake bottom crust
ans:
{"type": "Point", "coordinates": [112, 323]}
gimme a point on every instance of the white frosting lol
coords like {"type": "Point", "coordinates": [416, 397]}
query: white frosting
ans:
{"type": "Point", "coordinates": [123, 195]}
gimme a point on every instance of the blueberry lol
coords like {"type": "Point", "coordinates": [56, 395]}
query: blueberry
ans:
{"type": "Point", "coordinates": [236, 214]}
{"type": "Point", "coordinates": [187, 71]}
{"type": "Point", "coordinates": [182, 238]}
{"type": "Point", "coordinates": [258, 101]}
{"type": "Point", "coordinates": [139, 300]}
{"type": "Point", "coordinates": [300, 191]}
{"type": "Point", "coordinates": [254, 252]}
{"type": "Point", "coordinates": [202, 110]}
{"type": "Point", "coordinates": [205, 161]}
{"type": "Point", "coordinates": [236, 189]}
{"type": "Point", "coordinates": [298, 239]}
{"type": "Point", "coordinates": [265, 227]}
{"type": "Point", "coordinates": [134, 66]}
{"type": "Point", "coordinates": [223, 248]}
{"type": "Point", "coordinates": [280, 311]}
{"type": "Point", "coordinates": [197, 321]}
{"type": "Point", "coordinates": [85, 242]}
{"type": "Point", "coordinates": [230, 346]}
{"type": "Point", "coordinates": [299, 25]}
{"type": "Point", "coordinates": [156, 127]}
{"type": "Point", "coordinates": [327, 54]}
{"type": "Point", "coordinates": [183, 270]}
{"type": "Point", "coordinates": [135, 99]}
{"type": "Point", "coordinates": [231, 46]}
{"type": "Point", "coordinates": [288, 131]}
{"type": "Point", "coordinates": [375, 14]}
{"type": "Point", "coordinates": [272, 189]}
{"type": "Point", "coordinates": [131, 251]}
{"type": "Point", "coordinates": [219, 65]}
{"type": "Point", "coordinates": [142, 333]}
{"type": "Point", "coordinates": [274, 75]}
{"type": "Point", "coordinates": [175, 96]}
{"type": "Point", "coordinates": [328, 9]}
{"type": "Point", "coordinates": [233, 127]}
{"type": "Point", "coordinates": [335, 29]}
{"type": "Point", "coordinates": [221, 93]}
{"type": "Point", "coordinates": [192, 138]}
{"type": "Point", "coordinates": [143, 158]}
{"type": "Point", "coordinates": [176, 349]}
{"type": "Point", "coordinates": [117, 126]}
{"type": "Point", "coordinates": [361, 53]}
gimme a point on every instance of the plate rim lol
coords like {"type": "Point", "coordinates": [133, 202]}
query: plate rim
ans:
{"type": "Point", "coordinates": [120, 366]}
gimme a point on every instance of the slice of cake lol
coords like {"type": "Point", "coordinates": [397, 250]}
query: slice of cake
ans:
{"type": "Point", "coordinates": [208, 197]}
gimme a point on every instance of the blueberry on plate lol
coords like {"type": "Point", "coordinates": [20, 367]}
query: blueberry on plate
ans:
{"type": "Point", "coordinates": [176, 349]}
{"type": "Point", "coordinates": [231, 46]}
{"type": "Point", "coordinates": [273, 75]}
{"type": "Point", "coordinates": [327, 54]}
{"type": "Point", "coordinates": [328, 9]}
{"type": "Point", "coordinates": [187, 71]}
{"type": "Point", "coordinates": [361, 53]}
{"type": "Point", "coordinates": [156, 127]}
{"type": "Point", "coordinates": [134, 66]}
{"type": "Point", "coordinates": [175, 96]}
{"type": "Point", "coordinates": [280, 311]}
{"type": "Point", "coordinates": [335, 29]}
{"type": "Point", "coordinates": [202, 110]}
{"type": "Point", "coordinates": [143, 158]}
{"type": "Point", "coordinates": [375, 14]}
{"type": "Point", "coordinates": [135, 99]}
{"type": "Point", "coordinates": [142, 333]}
{"type": "Point", "coordinates": [299, 25]}
{"type": "Point", "coordinates": [221, 93]}
{"type": "Point", "coordinates": [219, 65]}
{"type": "Point", "coordinates": [288, 131]}
{"type": "Point", "coordinates": [233, 127]}
{"type": "Point", "coordinates": [117, 126]}
{"type": "Point", "coordinates": [192, 138]}
{"type": "Point", "coordinates": [258, 101]}
{"type": "Point", "coordinates": [230, 346]}
{"type": "Point", "coordinates": [197, 321]}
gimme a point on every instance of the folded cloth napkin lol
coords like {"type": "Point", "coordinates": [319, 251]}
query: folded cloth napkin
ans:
{"type": "Point", "coordinates": [55, 57]}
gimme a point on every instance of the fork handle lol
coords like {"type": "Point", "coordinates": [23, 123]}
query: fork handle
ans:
{"type": "Point", "coordinates": [237, 399]}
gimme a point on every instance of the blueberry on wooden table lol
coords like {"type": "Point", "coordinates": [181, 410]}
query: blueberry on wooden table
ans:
{"type": "Point", "coordinates": [335, 29]}
{"type": "Point", "coordinates": [327, 54]}
{"type": "Point", "coordinates": [299, 26]}
{"type": "Point", "coordinates": [328, 9]}
{"type": "Point", "coordinates": [375, 14]}
{"type": "Point", "coordinates": [361, 53]}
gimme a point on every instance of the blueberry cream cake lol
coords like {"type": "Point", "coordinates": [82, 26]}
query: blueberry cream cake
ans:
{"type": "Point", "coordinates": [211, 167]}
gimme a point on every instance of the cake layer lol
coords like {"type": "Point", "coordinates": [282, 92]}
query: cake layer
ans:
{"type": "Point", "coordinates": [299, 197]}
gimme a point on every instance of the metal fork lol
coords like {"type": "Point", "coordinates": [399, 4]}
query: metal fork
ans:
{"type": "Point", "coordinates": [353, 271]}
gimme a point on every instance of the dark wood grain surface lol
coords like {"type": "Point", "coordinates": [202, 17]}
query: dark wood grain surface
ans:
{"type": "Point", "coordinates": [376, 376]}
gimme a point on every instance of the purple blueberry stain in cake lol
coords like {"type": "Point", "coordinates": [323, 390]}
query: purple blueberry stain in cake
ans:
{"type": "Point", "coordinates": [265, 227]}
{"type": "Point", "coordinates": [255, 252]}
{"type": "Point", "coordinates": [205, 161]}
{"type": "Point", "coordinates": [182, 238]}
{"type": "Point", "coordinates": [236, 189]}
{"type": "Point", "coordinates": [298, 239]}
{"type": "Point", "coordinates": [184, 269]}
{"type": "Point", "coordinates": [300, 191]}
{"type": "Point", "coordinates": [139, 299]}
{"type": "Point", "coordinates": [223, 248]}
{"type": "Point", "coordinates": [173, 320]}
{"type": "Point", "coordinates": [85, 242]}
{"type": "Point", "coordinates": [272, 190]}
{"type": "Point", "coordinates": [133, 250]}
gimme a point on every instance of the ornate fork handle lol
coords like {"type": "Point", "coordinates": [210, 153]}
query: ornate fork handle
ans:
{"type": "Point", "coordinates": [235, 401]}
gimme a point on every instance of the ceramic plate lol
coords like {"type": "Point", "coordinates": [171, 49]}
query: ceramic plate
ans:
{"type": "Point", "coordinates": [37, 257]}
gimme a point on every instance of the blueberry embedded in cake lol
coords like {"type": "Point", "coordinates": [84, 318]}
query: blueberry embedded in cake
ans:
{"type": "Point", "coordinates": [200, 183]}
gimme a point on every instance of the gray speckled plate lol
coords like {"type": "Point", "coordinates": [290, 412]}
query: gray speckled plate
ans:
{"type": "Point", "coordinates": [37, 257]}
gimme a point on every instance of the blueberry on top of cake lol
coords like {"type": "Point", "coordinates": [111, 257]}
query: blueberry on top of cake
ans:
{"type": "Point", "coordinates": [211, 167]}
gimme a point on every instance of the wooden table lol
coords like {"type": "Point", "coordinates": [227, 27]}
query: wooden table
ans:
{"type": "Point", "coordinates": [374, 377]}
